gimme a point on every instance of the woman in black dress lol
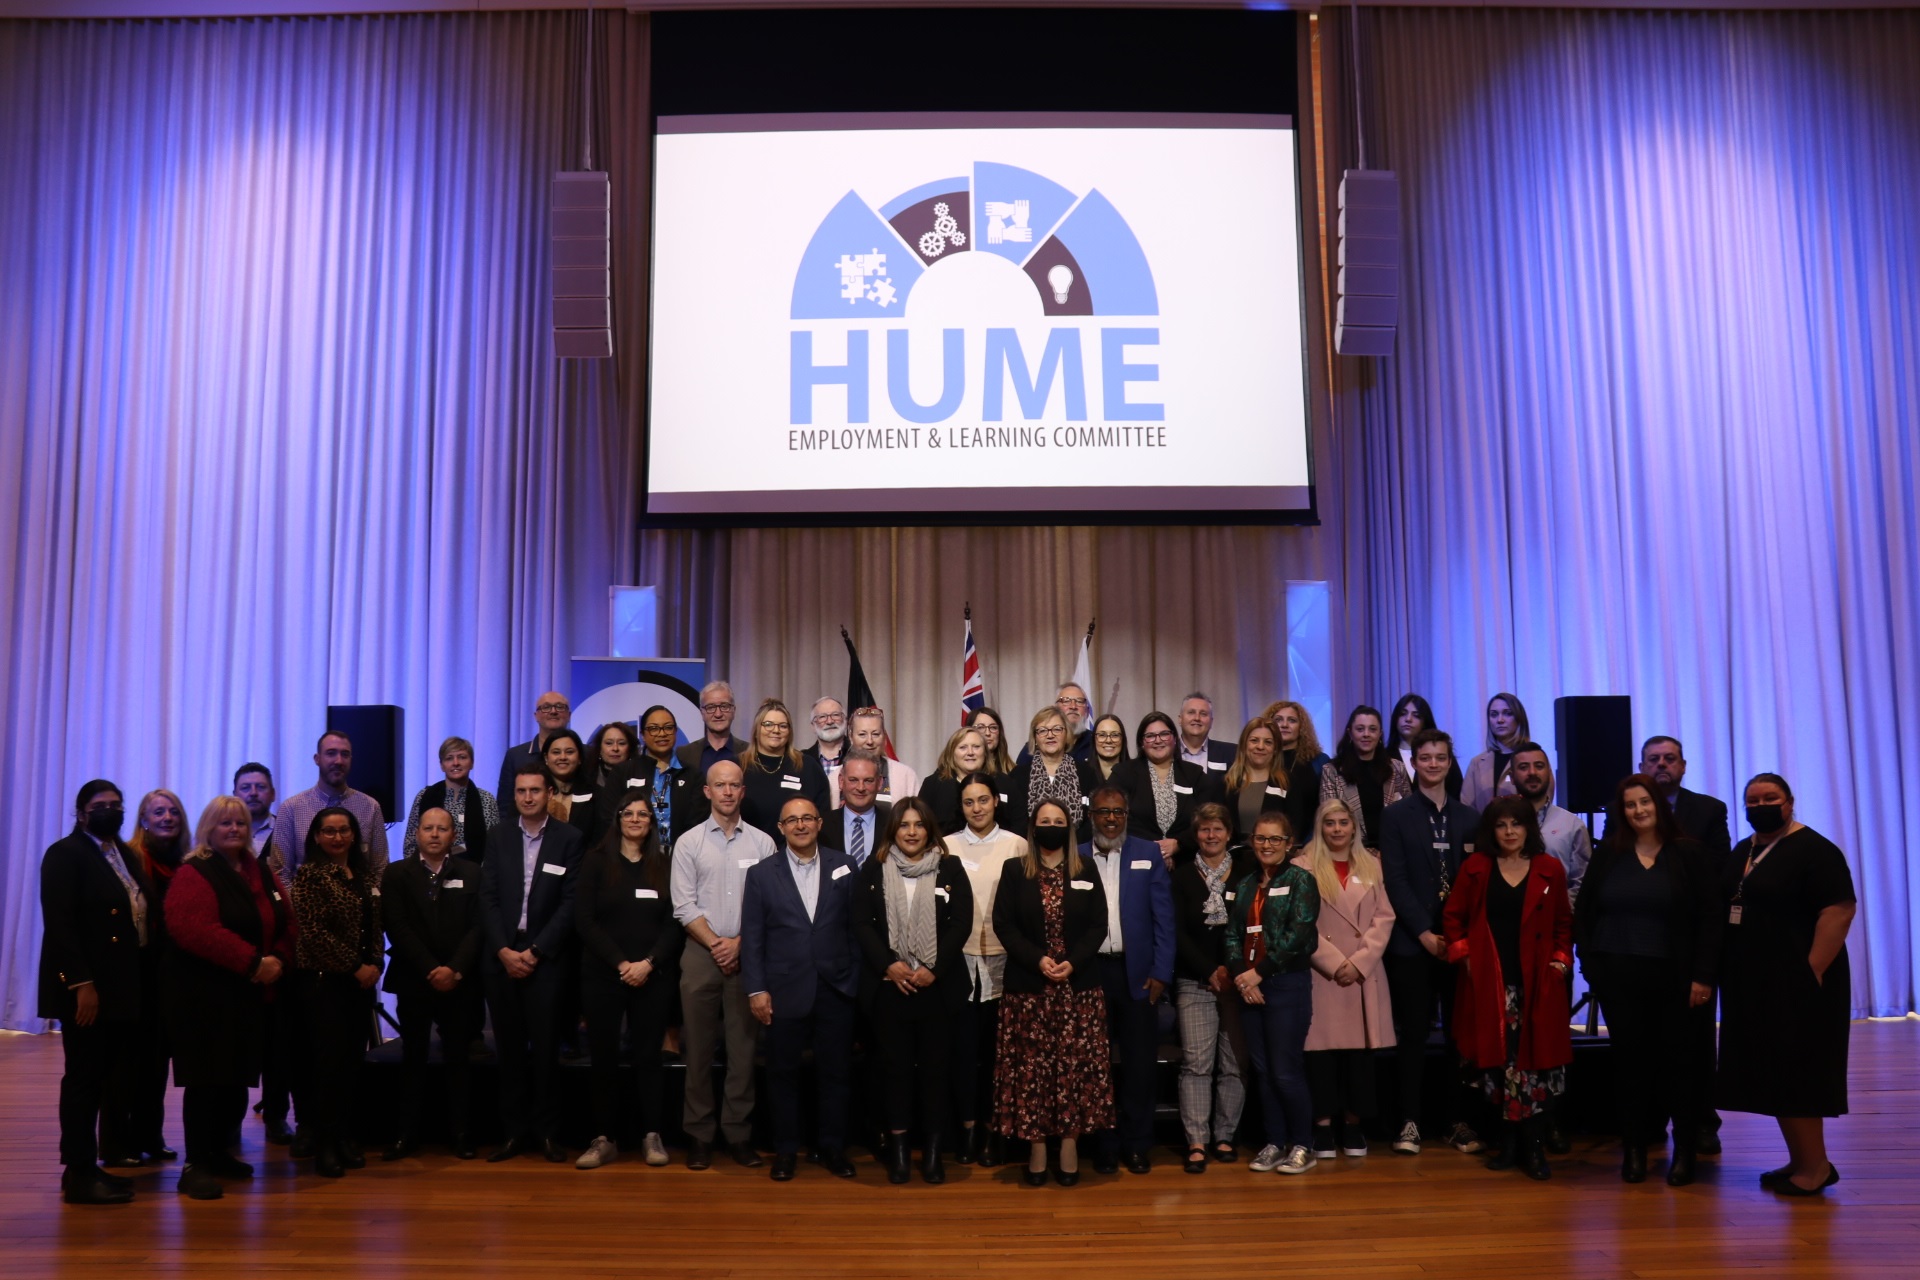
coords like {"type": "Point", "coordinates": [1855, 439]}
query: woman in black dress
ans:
{"type": "Point", "coordinates": [573, 800]}
{"type": "Point", "coordinates": [1785, 988]}
{"type": "Point", "coordinates": [775, 772]}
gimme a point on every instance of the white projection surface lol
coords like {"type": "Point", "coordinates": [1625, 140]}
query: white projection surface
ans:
{"type": "Point", "coordinates": [944, 314]}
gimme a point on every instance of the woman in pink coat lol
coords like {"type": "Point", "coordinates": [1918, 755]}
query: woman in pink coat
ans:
{"type": "Point", "coordinates": [1352, 1014]}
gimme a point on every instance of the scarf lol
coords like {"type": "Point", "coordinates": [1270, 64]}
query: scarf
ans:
{"type": "Point", "coordinates": [1216, 882]}
{"type": "Point", "coordinates": [1063, 787]}
{"type": "Point", "coordinates": [910, 926]}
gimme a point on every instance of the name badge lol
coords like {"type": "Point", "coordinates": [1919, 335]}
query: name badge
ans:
{"type": "Point", "coordinates": [276, 898]}
{"type": "Point", "coordinates": [1466, 846]}
{"type": "Point", "coordinates": [840, 871]}
{"type": "Point", "coordinates": [1254, 928]}
{"type": "Point", "coordinates": [1085, 801]}
{"type": "Point", "coordinates": [1082, 884]}
{"type": "Point", "coordinates": [1003, 797]}
{"type": "Point", "coordinates": [1229, 895]}
{"type": "Point", "coordinates": [744, 863]}
{"type": "Point", "coordinates": [453, 884]}
{"type": "Point", "coordinates": [1439, 846]}
{"type": "Point", "coordinates": [969, 864]}
{"type": "Point", "coordinates": [581, 797]}
{"type": "Point", "coordinates": [1140, 864]}
{"type": "Point", "coordinates": [883, 798]}
{"type": "Point", "coordinates": [1277, 791]}
{"type": "Point", "coordinates": [635, 782]}
{"type": "Point", "coordinates": [941, 893]}
{"type": "Point", "coordinates": [375, 891]}
{"type": "Point", "coordinates": [553, 868]}
{"type": "Point", "coordinates": [1218, 766]}
{"type": "Point", "coordinates": [790, 782]}
{"type": "Point", "coordinates": [1280, 891]}
{"type": "Point", "coordinates": [1182, 791]}
{"type": "Point", "coordinates": [1733, 913]}
{"type": "Point", "coordinates": [646, 893]}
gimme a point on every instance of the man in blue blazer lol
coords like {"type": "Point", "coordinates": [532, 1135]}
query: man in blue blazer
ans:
{"type": "Point", "coordinates": [800, 969]}
{"type": "Point", "coordinates": [526, 923]}
{"type": "Point", "coordinates": [1136, 967]}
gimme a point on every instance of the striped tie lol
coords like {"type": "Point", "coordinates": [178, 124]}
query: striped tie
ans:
{"type": "Point", "coordinates": [859, 850]}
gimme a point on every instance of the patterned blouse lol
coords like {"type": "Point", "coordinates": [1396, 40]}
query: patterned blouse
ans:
{"type": "Point", "coordinates": [1063, 788]}
{"type": "Point", "coordinates": [339, 919]}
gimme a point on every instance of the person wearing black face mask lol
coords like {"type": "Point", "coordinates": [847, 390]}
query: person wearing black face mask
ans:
{"type": "Point", "coordinates": [94, 900]}
{"type": "Point", "coordinates": [1785, 987]}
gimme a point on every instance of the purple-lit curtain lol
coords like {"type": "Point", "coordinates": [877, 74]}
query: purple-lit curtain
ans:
{"type": "Point", "coordinates": [1653, 425]}
{"type": "Point", "coordinates": [279, 425]}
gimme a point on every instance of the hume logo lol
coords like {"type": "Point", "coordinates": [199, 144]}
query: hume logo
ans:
{"type": "Point", "coordinates": [1008, 281]}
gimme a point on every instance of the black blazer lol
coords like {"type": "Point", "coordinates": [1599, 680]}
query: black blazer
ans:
{"type": "Point", "coordinates": [518, 754]}
{"type": "Point", "coordinates": [1410, 866]}
{"type": "Point", "coordinates": [953, 920]}
{"type": "Point", "coordinates": [689, 755]}
{"type": "Point", "coordinates": [1703, 820]}
{"type": "Point", "coordinates": [833, 833]}
{"type": "Point", "coordinates": [1693, 927]}
{"type": "Point", "coordinates": [1199, 949]}
{"type": "Point", "coordinates": [768, 793]}
{"type": "Point", "coordinates": [549, 911]}
{"type": "Point", "coordinates": [424, 934]}
{"type": "Point", "coordinates": [89, 932]}
{"type": "Point", "coordinates": [1021, 926]}
{"type": "Point", "coordinates": [944, 795]}
{"type": "Point", "coordinates": [1192, 787]}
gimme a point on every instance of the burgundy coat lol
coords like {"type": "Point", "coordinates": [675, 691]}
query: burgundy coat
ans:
{"type": "Point", "coordinates": [1546, 935]}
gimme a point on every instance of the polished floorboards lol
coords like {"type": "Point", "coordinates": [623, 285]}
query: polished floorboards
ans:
{"type": "Point", "coordinates": [1435, 1215]}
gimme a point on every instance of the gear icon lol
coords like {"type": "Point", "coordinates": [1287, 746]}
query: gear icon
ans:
{"type": "Point", "coordinates": [932, 244]}
{"type": "Point", "coordinates": [959, 238]}
{"type": "Point", "coordinates": [945, 226]}
{"type": "Point", "coordinates": [940, 209]}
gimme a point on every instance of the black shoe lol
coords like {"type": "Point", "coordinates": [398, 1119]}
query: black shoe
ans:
{"type": "Point", "coordinates": [327, 1163]}
{"type": "Point", "coordinates": [302, 1145]}
{"type": "Point", "coordinates": [553, 1151]}
{"type": "Point", "coordinates": [1223, 1153]}
{"type": "Point", "coordinates": [1066, 1179]}
{"type": "Point", "coordinates": [835, 1159]}
{"type": "Point", "coordinates": [899, 1159]}
{"type": "Point", "coordinates": [225, 1166]}
{"type": "Point", "coordinates": [1788, 1187]}
{"type": "Point", "coordinates": [699, 1154]}
{"type": "Point", "coordinates": [993, 1152]}
{"type": "Point", "coordinates": [1196, 1161]}
{"type": "Point", "coordinates": [122, 1160]}
{"type": "Point", "coordinates": [1772, 1176]}
{"type": "Point", "coordinates": [1104, 1164]}
{"type": "Point", "coordinates": [1508, 1157]}
{"type": "Point", "coordinates": [509, 1149]}
{"type": "Point", "coordinates": [462, 1147]}
{"type": "Point", "coordinates": [1633, 1163]}
{"type": "Point", "coordinates": [404, 1148]}
{"type": "Point", "coordinates": [278, 1133]}
{"type": "Point", "coordinates": [744, 1155]}
{"type": "Point", "coordinates": [1033, 1179]}
{"type": "Point", "coordinates": [1533, 1151]}
{"type": "Point", "coordinates": [90, 1185]}
{"type": "Point", "coordinates": [1556, 1136]}
{"type": "Point", "coordinates": [1706, 1142]}
{"type": "Point", "coordinates": [1138, 1162]}
{"type": "Point", "coordinates": [1680, 1169]}
{"type": "Point", "coordinates": [933, 1166]}
{"type": "Point", "coordinates": [350, 1154]}
{"type": "Point", "coordinates": [160, 1152]}
{"type": "Point", "coordinates": [199, 1184]}
{"type": "Point", "coordinates": [783, 1166]}
{"type": "Point", "coordinates": [968, 1152]}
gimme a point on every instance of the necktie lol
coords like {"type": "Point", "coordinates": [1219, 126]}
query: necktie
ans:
{"type": "Point", "coordinates": [859, 850]}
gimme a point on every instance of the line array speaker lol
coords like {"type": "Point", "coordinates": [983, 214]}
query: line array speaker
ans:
{"type": "Point", "coordinates": [1367, 292]}
{"type": "Point", "coordinates": [582, 266]}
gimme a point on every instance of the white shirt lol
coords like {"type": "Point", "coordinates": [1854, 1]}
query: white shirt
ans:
{"type": "Point", "coordinates": [1110, 864]}
{"type": "Point", "coordinates": [531, 846]}
{"type": "Point", "coordinates": [710, 873]}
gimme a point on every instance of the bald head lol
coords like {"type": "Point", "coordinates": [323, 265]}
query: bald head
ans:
{"type": "Point", "coordinates": [726, 788]}
{"type": "Point", "coordinates": [434, 836]}
{"type": "Point", "coordinates": [552, 711]}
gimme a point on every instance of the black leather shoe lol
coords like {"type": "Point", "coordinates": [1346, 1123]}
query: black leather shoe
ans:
{"type": "Point", "coordinates": [278, 1133]}
{"type": "Point", "coordinates": [199, 1184]}
{"type": "Point", "coordinates": [783, 1166]}
{"type": "Point", "coordinates": [699, 1154]}
{"type": "Point", "coordinates": [993, 1152]}
{"type": "Point", "coordinates": [1223, 1153]}
{"type": "Point", "coordinates": [1556, 1136]}
{"type": "Point", "coordinates": [899, 1159]}
{"type": "Point", "coordinates": [1680, 1169]}
{"type": "Point", "coordinates": [326, 1162]}
{"type": "Point", "coordinates": [301, 1147]}
{"type": "Point", "coordinates": [1066, 1179]}
{"type": "Point", "coordinates": [1633, 1163]}
{"type": "Point", "coordinates": [1033, 1179]}
{"type": "Point", "coordinates": [837, 1163]}
{"type": "Point", "coordinates": [227, 1166]}
{"type": "Point", "coordinates": [1105, 1164]}
{"type": "Point", "coordinates": [1788, 1187]}
{"type": "Point", "coordinates": [1196, 1161]}
{"type": "Point", "coordinates": [933, 1165]}
{"type": "Point", "coordinates": [1138, 1162]}
{"type": "Point", "coordinates": [160, 1152]}
{"type": "Point", "coordinates": [509, 1149]}
{"type": "Point", "coordinates": [1706, 1142]}
{"type": "Point", "coordinates": [553, 1151]}
{"type": "Point", "coordinates": [91, 1186]}
{"type": "Point", "coordinates": [463, 1147]}
{"type": "Point", "coordinates": [404, 1148]}
{"type": "Point", "coordinates": [968, 1152]}
{"type": "Point", "coordinates": [1508, 1156]}
{"type": "Point", "coordinates": [1533, 1151]}
{"type": "Point", "coordinates": [744, 1155]}
{"type": "Point", "coordinates": [350, 1155]}
{"type": "Point", "coordinates": [122, 1160]}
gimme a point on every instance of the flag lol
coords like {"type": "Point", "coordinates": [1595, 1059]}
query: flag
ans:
{"type": "Point", "coordinates": [973, 690]}
{"type": "Point", "coordinates": [1083, 669]}
{"type": "Point", "coordinates": [859, 692]}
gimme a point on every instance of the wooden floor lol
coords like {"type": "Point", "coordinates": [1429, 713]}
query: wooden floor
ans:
{"type": "Point", "coordinates": [1439, 1214]}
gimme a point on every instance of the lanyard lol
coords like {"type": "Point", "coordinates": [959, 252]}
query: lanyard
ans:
{"type": "Point", "coordinates": [1754, 860]}
{"type": "Point", "coordinates": [1442, 845]}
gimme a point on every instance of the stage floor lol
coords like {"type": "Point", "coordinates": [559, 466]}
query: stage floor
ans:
{"type": "Point", "coordinates": [1435, 1215]}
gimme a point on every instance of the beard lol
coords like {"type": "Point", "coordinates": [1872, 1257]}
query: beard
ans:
{"type": "Point", "coordinates": [833, 733]}
{"type": "Point", "coordinates": [1108, 844]}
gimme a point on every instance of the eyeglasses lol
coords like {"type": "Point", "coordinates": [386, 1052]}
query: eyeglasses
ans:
{"type": "Point", "coordinates": [1047, 731]}
{"type": "Point", "coordinates": [551, 706]}
{"type": "Point", "coordinates": [1069, 702]}
{"type": "Point", "coordinates": [773, 724]}
{"type": "Point", "coordinates": [1109, 813]}
{"type": "Point", "coordinates": [1272, 842]}
{"type": "Point", "coordinates": [834, 718]}
{"type": "Point", "coordinates": [800, 820]}
{"type": "Point", "coordinates": [1110, 735]}
{"type": "Point", "coordinates": [1158, 736]}
{"type": "Point", "coordinates": [659, 728]}
{"type": "Point", "coordinates": [716, 706]}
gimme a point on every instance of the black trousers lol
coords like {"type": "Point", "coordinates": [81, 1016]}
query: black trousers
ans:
{"type": "Point", "coordinates": [525, 1038]}
{"type": "Point", "coordinates": [457, 1014]}
{"type": "Point", "coordinates": [1658, 1069]}
{"type": "Point", "coordinates": [915, 1036]}
{"type": "Point", "coordinates": [976, 1038]}
{"type": "Point", "coordinates": [210, 1113]}
{"type": "Point", "coordinates": [146, 1101]}
{"type": "Point", "coordinates": [610, 1004]}
{"type": "Point", "coordinates": [95, 1090]}
{"type": "Point", "coordinates": [1417, 984]}
{"type": "Point", "coordinates": [285, 1058]}
{"type": "Point", "coordinates": [339, 1012]}
{"type": "Point", "coordinates": [1341, 1080]}
{"type": "Point", "coordinates": [1134, 1026]}
{"type": "Point", "coordinates": [828, 1030]}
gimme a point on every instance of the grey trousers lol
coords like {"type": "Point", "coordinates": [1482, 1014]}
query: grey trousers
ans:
{"type": "Point", "coordinates": [709, 1002]}
{"type": "Point", "coordinates": [1211, 1051]}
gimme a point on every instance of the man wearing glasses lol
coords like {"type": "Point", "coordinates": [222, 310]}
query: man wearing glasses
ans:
{"type": "Point", "coordinates": [716, 710]}
{"type": "Point", "coordinates": [799, 966]}
{"type": "Point", "coordinates": [1072, 701]}
{"type": "Point", "coordinates": [551, 712]}
{"type": "Point", "coordinates": [829, 747]}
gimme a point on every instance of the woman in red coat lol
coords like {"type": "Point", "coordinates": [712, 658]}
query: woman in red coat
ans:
{"type": "Point", "coordinates": [1509, 927]}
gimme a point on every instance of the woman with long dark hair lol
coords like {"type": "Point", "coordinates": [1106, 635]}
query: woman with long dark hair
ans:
{"type": "Point", "coordinates": [623, 909]}
{"type": "Point", "coordinates": [1405, 722]}
{"type": "Point", "coordinates": [988, 722]}
{"type": "Point", "coordinates": [574, 798]}
{"type": "Point", "coordinates": [983, 848]}
{"type": "Point", "coordinates": [1363, 775]}
{"type": "Point", "coordinates": [1163, 790]}
{"type": "Point", "coordinates": [1487, 772]}
{"type": "Point", "coordinates": [1256, 784]}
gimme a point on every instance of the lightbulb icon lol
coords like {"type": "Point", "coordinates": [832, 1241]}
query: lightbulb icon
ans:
{"type": "Point", "coordinates": [1060, 276]}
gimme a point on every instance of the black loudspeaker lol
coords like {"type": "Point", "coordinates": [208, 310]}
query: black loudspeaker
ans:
{"type": "Point", "coordinates": [582, 266]}
{"type": "Point", "coordinates": [1367, 289]}
{"type": "Point", "coordinates": [1595, 735]}
{"type": "Point", "coordinates": [379, 736]}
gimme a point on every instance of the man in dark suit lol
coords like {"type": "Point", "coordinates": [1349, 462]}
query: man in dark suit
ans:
{"type": "Point", "coordinates": [94, 898]}
{"type": "Point", "coordinates": [1074, 705]}
{"type": "Point", "coordinates": [801, 971]}
{"type": "Point", "coordinates": [432, 911]}
{"type": "Point", "coordinates": [716, 711]}
{"type": "Point", "coordinates": [856, 826]}
{"type": "Point", "coordinates": [1196, 745]}
{"type": "Point", "coordinates": [1136, 968]}
{"type": "Point", "coordinates": [526, 926]}
{"type": "Point", "coordinates": [551, 712]}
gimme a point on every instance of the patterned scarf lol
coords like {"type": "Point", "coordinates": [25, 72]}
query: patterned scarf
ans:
{"type": "Point", "coordinates": [1216, 881]}
{"type": "Point", "coordinates": [1063, 787]}
{"type": "Point", "coordinates": [1166, 805]}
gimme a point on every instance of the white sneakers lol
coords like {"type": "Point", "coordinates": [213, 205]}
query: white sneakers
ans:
{"type": "Point", "coordinates": [601, 1152]}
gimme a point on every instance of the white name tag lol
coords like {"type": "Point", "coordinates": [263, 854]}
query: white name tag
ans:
{"type": "Point", "coordinates": [1003, 797]}
{"type": "Point", "coordinates": [1082, 884]}
{"type": "Point", "coordinates": [1218, 766]}
{"type": "Point", "coordinates": [276, 897]}
{"type": "Point", "coordinates": [1182, 791]}
{"type": "Point", "coordinates": [1280, 891]}
{"type": "Point", "coordinates": [1733, 913]}
{"type": "Point", "coordinates": [840, 871]}
{"type": "Point", "coordinates": [790, 782]}
{"type": "Point", "coordinates": [376, 891]}
{"type": "Point", "coordinates": [744, 863]}
{"type": "Point", "coordinates": [969, 864]}
{"type": "Point", "coordinates": [1140, 864]}
{"type": "Point", "coordinates": [1254, 928]}
{"type": "Point", "coordinates": [1277, 791]}
{"type": "Point", "coordinates": [1229, 895]}
{"type": "Point", "coordinates": [1466, 846]}
{"type": "Point", "coordinates": [444, 884]}
{"type": "Point", "coordinates": [938, 892]}
{"type": "Point", "coordinates": [553, 868]}
{"type": "Point", "coordinates": [1085, 801]}
{"type": "Point", "coordinates": [581, 797]}
{"type": "Point", "coordinates": [635, 782]}
{"type": "Point", "coordinates": [646, 893]}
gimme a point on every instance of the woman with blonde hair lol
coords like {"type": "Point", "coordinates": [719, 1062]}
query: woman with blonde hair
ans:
{"type": "Point", "coordinates": [775, 772]}
{"type": "Point", "coordinates": [1051, 774]}
{"type": "Point", "coordinates": [965, 756]}
{"type": "Point", "coordinates": [160, 842]}
{"type": "Point", "coordinates": [1352, 1010]}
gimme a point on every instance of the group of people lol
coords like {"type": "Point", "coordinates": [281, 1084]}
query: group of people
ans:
{"type": "Point", "coordinates": [999, 938]}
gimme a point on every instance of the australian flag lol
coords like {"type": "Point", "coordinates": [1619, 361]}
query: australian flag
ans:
{"type": "Point", "coordinates": [973, 690]}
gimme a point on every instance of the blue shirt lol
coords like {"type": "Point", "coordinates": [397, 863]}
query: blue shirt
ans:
{"type": "Point", "coordinates": [806, 878]}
